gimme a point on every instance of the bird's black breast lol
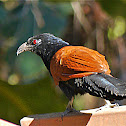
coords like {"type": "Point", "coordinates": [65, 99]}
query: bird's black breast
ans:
{"type": "Point", "coordinates": [70, 89]}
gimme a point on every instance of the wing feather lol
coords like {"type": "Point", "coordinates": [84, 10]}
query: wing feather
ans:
{"type": "Point", "coordinates": [84, 59]}
{"type": "Point", "coordinates": [76, 62]}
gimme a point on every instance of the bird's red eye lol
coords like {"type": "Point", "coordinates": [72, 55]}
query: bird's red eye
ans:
{"type": "Point", "coordinates": [34, 42]}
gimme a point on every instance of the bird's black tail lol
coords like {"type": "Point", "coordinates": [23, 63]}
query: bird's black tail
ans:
{"type": "Point", "coordinates": [105, 86]}
{"type": "Point", "coordinates": [100, 85]}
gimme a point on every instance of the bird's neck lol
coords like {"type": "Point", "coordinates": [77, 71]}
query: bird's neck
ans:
{"type": "Point", "coordinates": [48, 51]}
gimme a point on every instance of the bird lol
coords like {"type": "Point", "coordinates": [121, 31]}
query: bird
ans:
{"type": "Point", "coordinates": [75, 69]}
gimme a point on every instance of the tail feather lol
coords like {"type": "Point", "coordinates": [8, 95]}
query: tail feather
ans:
{"type": "Point", "coordinates": [117, 83]}
{"type": "Point", "coordinates": [100, 85]}
{"type": "Point", "coordinates": [107, 86]}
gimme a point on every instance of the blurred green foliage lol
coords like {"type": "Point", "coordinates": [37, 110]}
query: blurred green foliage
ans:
{"type": "Point", "coordinates": [18, 101]}
{"type": "Point", "coordinates": [26, 87]}
{"type": "Point", "coordinates": [114, 7]}
{"type": "Point", "coordinates": [119, 28]}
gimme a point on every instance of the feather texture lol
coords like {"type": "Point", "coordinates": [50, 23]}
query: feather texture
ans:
{"type": "Point", "coordinates": [100, 85]}
{"type": "Point", "coordinates": [77, 61]}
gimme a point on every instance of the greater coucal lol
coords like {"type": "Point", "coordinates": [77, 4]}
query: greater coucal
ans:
{"type": "Point", "coordinates": [76, 69]}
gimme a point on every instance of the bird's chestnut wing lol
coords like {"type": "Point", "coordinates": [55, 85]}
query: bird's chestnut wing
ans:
{"type": "Point", "coordinates": [76, 62]}
{"type": "Point", "coordinates": [82, 59]}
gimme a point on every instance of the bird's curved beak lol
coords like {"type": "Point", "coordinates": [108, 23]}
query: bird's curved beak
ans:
{"type": "Point", "coordinates": [24, 47]}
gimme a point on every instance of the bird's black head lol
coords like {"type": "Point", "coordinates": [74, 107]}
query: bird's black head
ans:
{"type": "Point", "coordinates": [45, 45]}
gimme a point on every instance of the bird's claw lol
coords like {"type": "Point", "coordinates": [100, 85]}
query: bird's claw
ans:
{"type": "Point", "coordinates": [67, 111]}
{"type": "Point", "coordinates": [108, 106]}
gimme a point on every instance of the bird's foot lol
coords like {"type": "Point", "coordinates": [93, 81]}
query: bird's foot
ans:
{"type": "Point", "coordinates": [67, 111]}
{"type": "Point", "coordinates": [108, 105]}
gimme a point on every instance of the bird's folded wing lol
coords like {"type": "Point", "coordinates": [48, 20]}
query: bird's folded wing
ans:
{"type": "Point", "coordinates": [82, 59]}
